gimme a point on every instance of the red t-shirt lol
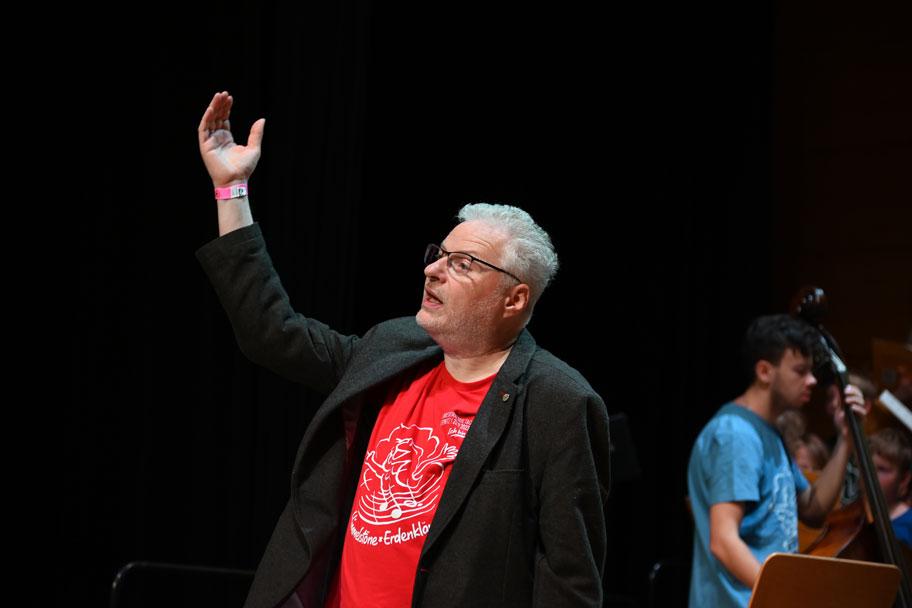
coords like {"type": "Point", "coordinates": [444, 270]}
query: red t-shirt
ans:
{"type": "Point", "coordinates": [418, 433]}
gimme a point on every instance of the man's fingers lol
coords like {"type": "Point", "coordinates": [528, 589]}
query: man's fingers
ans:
{"type": "Point", "coordinates": [216, 116]}
{"type": "Point", "coordinates": [223, 109]}
{"type": "Point", "coordinates": [256, 134]}
{"type": "Point", "coordinates": [203, 129]}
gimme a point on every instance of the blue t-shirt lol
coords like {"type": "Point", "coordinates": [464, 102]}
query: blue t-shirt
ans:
{"type": "Point", "coordinates": [902, 528]}
{"type": "Point", "coordinates": [739, 457]}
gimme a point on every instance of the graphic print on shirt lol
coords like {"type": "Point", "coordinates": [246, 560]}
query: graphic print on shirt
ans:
{"type": "Point", "coordinates": [402, 475]}
{"type": "Point", "coordinates": [459, 426]}
{"type": "Point", "coordinates": [783, 507]}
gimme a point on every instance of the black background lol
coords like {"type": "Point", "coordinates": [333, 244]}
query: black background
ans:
{"type": "Point", "coordinates": [673, 152]}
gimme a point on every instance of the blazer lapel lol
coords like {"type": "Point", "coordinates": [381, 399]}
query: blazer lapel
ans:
{"type": "Point", "coordinates": [416, 346]}
{"type": "Point", "coordinates": [379, 371]}
{"type": "Point", "coordinates": [483, 435]}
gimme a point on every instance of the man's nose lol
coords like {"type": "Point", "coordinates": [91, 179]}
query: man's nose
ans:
{"type": "Point", "coordinates": [437, 269]}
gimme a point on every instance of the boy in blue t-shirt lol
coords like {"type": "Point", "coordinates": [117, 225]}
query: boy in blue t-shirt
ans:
{"type": "Point", "coordinates": [746, 493]}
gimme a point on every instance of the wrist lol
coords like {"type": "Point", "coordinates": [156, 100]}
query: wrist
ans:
{"type": "Point", "coordinates": [229, 182]}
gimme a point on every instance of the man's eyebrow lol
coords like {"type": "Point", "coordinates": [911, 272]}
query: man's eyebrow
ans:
{"type": "Point", "coordinates": [468, 251]}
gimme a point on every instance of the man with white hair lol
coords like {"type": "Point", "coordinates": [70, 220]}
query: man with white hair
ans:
{"type": "Point", "coordinates": [453, 462]}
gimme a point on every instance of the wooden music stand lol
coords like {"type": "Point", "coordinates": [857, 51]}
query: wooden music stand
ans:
{"type": "Point", "coordinates": [803, 581]}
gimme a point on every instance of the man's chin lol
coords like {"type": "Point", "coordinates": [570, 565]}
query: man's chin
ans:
{"type": "Point", "coordinates": [424, 321]}
{"type": "Point", "coordinates": [432, 329]}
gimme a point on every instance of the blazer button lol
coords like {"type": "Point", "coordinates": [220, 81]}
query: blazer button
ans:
{"type": "Point", "coordinates": [506, 397]}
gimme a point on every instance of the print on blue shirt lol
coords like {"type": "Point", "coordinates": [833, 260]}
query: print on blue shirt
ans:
{"type": "Point", "coordinates": [739, 457]}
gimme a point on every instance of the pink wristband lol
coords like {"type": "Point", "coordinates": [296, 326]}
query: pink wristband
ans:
{"type": "Point", "coordinates": [233, 191]}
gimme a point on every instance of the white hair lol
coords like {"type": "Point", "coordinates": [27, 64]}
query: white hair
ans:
{"type": "Point", "coordinates": [528, 252]}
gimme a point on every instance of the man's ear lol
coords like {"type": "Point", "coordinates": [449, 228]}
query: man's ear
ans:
{"type": "Point", "coordinates": [764, 371]}
{"type": "Point", "coordinates": [516, 302]}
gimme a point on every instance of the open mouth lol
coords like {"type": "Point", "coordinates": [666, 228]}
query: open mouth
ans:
{"type": "Point", "coordinates": [431, 299]}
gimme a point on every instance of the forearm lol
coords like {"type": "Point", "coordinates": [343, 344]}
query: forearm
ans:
{"type": "Point", "coordinates": [233, 213]}
{"type": "Point", "coordinates": [737, 558]}
{"type": "Point", "coordinates": [823, 494]}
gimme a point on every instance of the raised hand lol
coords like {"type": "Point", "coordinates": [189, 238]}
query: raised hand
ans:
{"type": "Point", "coordinates": [226, 161]}
{"type": "Point", "coordinates": [855, 399]}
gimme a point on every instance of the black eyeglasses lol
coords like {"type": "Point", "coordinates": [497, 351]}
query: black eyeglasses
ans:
{"type": "Point", "coordinates": [458, 262]}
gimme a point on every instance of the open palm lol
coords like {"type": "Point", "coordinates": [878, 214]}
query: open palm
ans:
{"type": "Point", "coordinates": [227, 161]}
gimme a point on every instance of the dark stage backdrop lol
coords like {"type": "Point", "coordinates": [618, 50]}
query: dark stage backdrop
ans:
{"type": "Point", "coordinates": [665, 148]}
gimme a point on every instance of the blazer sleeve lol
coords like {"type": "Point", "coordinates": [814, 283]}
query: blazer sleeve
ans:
{"type": "Point", "coordinates": [572, 528]}
{"type": "Point", "coordinates": [268, 331]}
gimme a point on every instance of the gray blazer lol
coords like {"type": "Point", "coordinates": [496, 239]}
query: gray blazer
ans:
{"type": "Point", "coordinates": [521, 521]}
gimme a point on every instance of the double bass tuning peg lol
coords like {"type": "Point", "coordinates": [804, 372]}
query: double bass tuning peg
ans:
{"type": "Point", "coordinates": [810, 304]}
